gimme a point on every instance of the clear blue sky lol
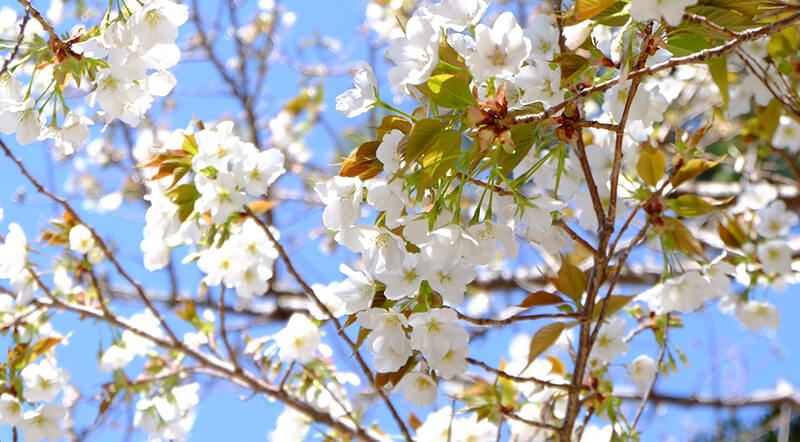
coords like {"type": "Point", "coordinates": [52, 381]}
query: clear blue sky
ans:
{"type": "Point", "coordinates": [715, 343]}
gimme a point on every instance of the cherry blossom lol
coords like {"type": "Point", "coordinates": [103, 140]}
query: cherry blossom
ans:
{"type": "Point", "coordinates": [298, 340]}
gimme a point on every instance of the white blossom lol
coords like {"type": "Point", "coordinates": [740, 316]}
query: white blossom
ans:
{"type": "Point", "coordinates": [342, 198]}
{"type": "Point", "coordinates": [418, 388]}
{"type": "Point", "coordinates": [756, 315]}
{"type": "Point", "coordinates": [609, 342]}
{"type": "Point", "coordinates": [775, 257]}
{"type": "Point", "coordinates": [43, 381]}
{"type": "Point", "coordinates": [415, 55]}
{"type": "Point", "coordinates": [500, 50]}
{"type": "Point", "coordinates": [388, 153]}
{"type": "Point", "coordinates": [787, 135]}
{"type": "Point", "coordinates": [362, 96]}
{"type": "Point", "coordinates": [671, 11]}
{"type": "Point", "coordinates": [298, 340]}
{"type": "Point", "coordinates": [42, 423]}
{"type": "Point", "coordinates": [10, 410]}
{"type": "Point", "coordinates": [459, 15]}
{"type": "Point", "coordinates": [776, 221]}
{"type": "Point", "coordinates": [642, 371]}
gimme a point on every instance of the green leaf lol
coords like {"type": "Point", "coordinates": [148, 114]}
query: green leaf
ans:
{"type": "Point", "coordinates": [784, 43]}
{"type": "Point", "coordinates": [691, 206]}
{"type": "Point", "coordinates": [615, 15]}
{"type": "Point", "coordinates": [685, 43]}
{"type": "Point", "coordinates": [422, 137]}
{"type": "Point", "coordinates": [719, 73]}
{"type": "Point", "coordinates": [390, 123]}
{"type": "Point", "coordinates": [586, 9]}
{"type": "Point", "coordinates": [722, 16]}
{"type": "Point", "coordinates": [183, 194]}
{"type": "Point", "coordinates": [747, 8]}
{"type": "Point", "coordinates": [450, 91]}
{"type": "Point", "coordinates": [651, 165]}
{"type": "Point", "coordinates": [571, 65]}
{"type": "Point", "coordinates": [769, 117]}
{"type": "Point", "coordinates": [440, 157]}
{"type": "Point", "coordinates": [543, 339]}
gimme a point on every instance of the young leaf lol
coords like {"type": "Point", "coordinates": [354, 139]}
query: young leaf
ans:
{"type": "Point", "coordinates": [540, 298]}
{"type": "Point", "coordinates": [718, 67]}
{"type": "Point", "coordinates": [586, 9]}
{"type": "Point", "coordinates": [450, 91]}
{"type": "Point", "coordinates": [422, 137]}
{"type": "Point", "coordinates": [691, 170]}
{"type": "Point", "coordinates": [571, 281]}
{"type": "Point", "coordinates": [682, 237]}
{"type": "Point", "coordinates": [615, 304]}
{"type": "Point", "coordinates": [651, 165]}
{"type": "Point", "coordinates": [691, 206]}
{"type": "Point", "coordinates": [543, 339]}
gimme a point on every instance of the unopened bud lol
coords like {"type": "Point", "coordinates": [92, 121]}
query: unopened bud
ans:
{"type": "Point", "coordinates": [566, 134]}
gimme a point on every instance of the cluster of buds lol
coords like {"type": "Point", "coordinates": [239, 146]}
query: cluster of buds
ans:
{"type": "Point", "coordinates": [490, 120]}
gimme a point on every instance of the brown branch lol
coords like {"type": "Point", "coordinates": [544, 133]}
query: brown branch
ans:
{"type": "Point", "coordinates": [770, 399]}
{"type": "Point", "coordinates": [597, 204]}
{"type": "Point", "coordinates": [698, 57]}
{"type": "Point", "coordinates": [700, 20]}
{"type": "Point", "coordinates": [98, 240]}
{"type": "Point", "coordinates": [17, 45]}
{"type": "Point", "coordinates": [513, 416]}
{"type": "Point", "coordinates": [655, 378]}
{"type": "Point", "coordinates": [510, 377]}
{"type": "Point", "coordinates": [214, 367]}
{"type": "Point", "coordinates": [597, 125]}
{"type": "Point", "coordinates": [494, 188]}
{"type": "Point", "coordinates": [575, 237]}
{"type": "Point", "coordinates": [620, 134]}
{"type": "Point", "coordinates": [224, 332]}
{"type": "Point", "coordinates": [489, 322]}
{"type": "Point", "coordinates": [38, 17]}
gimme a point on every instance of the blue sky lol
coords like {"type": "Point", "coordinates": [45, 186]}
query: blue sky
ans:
{"type": "Point", "coordinates": [715, 343]}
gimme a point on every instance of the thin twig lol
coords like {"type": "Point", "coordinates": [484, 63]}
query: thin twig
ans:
{"type": "Point", "coordinates": [14, 51]}
{"type": "Point", "coordinates": [510, 377]}
{"type": "Point", "coordinates": [655, 378]}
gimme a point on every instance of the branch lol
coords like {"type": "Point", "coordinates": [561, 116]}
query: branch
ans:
{"type": "Point", "coordinates": [14, 51]}
{"type": "Point", "coordinates": [214, 367]}
{"type": "Point", "coordinates": [655, 378]}
{"type": "Point", "coordinates": [505, 375]}
{"type": "Point", "coordinates": [704, 55]}
{"type": "Point", "coordinates": [38, 17]}
{"type": "Point", "coordinates": [99, 241]}
{"type": "Point", "coordinates": [757, 400]}
{"type": "Point", "coordinates": [489, 322]}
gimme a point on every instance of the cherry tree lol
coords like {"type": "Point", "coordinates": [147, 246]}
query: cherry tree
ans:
{"type": "Point", "coordinates": [591, 174]}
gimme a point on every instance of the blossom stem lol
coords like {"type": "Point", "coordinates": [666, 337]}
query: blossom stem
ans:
{"type": "Point", "coordinates": [394, 109]}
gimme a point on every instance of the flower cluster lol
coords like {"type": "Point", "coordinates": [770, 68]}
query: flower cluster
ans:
{"type": "Point", "coordinates": [122, 64]}
{"type": "Point", "coordinates": [168, 416]}
{"type": "Point", "coordinates": [204, 209]}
